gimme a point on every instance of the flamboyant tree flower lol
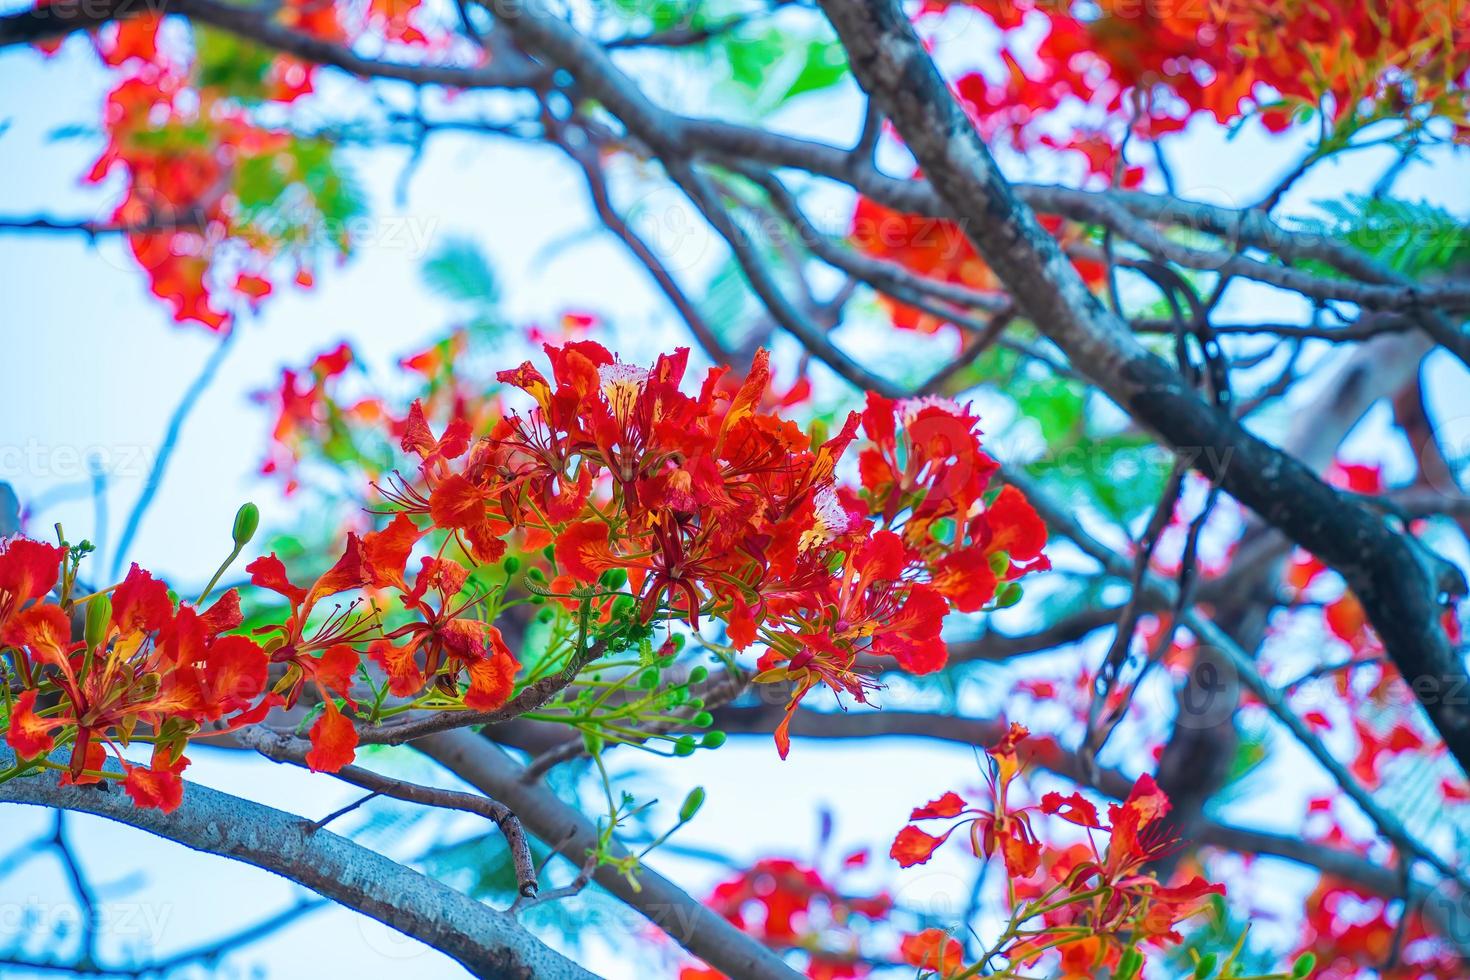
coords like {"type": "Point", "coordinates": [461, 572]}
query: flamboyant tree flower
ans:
{"type": "Point", "coordinates": [1093, 901]}
{"type": "Point", "coordinates": [1001, 828]}
{"type": "Point", "coordinates": [704, 507]}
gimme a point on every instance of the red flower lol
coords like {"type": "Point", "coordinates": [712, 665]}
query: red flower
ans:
{"type": "Point", "coordinates": [933, 951]}
{"type": "Point", "coordinates": [1003, 829]}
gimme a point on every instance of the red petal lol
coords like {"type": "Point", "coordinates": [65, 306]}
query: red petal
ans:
{"type": "Point", "coordinates": [29, 569]}
{"type": "Point", "coordinates": [583, 552]}
{"type": "Point", "coordinates": [29, 734]}
{"type": "Point", "coordinates": [912, 846]}
{"type": "Point", "coordinates": [385, 552]}
{"type": "Point", "coordinates": [224, 615]}
{"type": "Point", "coordinates": [405, 679]}
{"type": "Point", "coordinates": [158, 787]}
{"type": "Point", "coordinates": [140, 603]}
{"type": "Point", "coordinates": [1015, 527]}
{"type": "Point", "coordinates": [457, 503]}
{"type": "Point", "coordinates": [1075, 808]}
{"type": "Point", "coordinates": [491, 681]}
{"type": "Point", "coordinates": [333, 741]}
{"type": "Point", "coordinates": [268, 572]}
{"type": "Point", "coordinates": [336, 667]}
{"type": "Point", "coordinates": [235, 668]}
{"type": "Point", "coordinates": [948, 805]}
{"type": "Point", "coordinates": [45, 629]}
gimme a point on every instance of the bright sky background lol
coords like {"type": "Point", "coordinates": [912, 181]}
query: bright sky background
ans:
{"type": "Point", "coordinates": [95, 366]}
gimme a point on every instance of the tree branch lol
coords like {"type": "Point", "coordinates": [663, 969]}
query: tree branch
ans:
{"type": "Point", "coordinates": [690, 923]}
{"type": "Point", "coordinates": [486, 942]}
{"type": "Point", "coordinates": [1382, 567]}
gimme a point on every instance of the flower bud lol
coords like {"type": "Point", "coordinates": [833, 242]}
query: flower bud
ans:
{"type": "Point", "coordinates": [99, 618]}
{"type": "Point", "coordinates": [684, 746]}
{"type": "Point", "coordinates": [614, 578]}
{"type": "Point", "coordinates": [247, 522]}
{"type": "Point", "coordinates": [698, 674]}
{"type": "Point", "coordinates": [692, 803]}
{"type": "Point", "coordinates": [712, 740]}
{"type": "Point", "coordinates": [512, 564]}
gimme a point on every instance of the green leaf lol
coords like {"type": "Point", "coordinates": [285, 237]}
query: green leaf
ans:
{"type": "Point", "coordinates": [459, 270]}
{"type": "Point", "coordinates": [825, 66]}
{"type": "Point", "coordinates": [1412, 238]}
{"type": "Point", "coordinates": [752, 59]}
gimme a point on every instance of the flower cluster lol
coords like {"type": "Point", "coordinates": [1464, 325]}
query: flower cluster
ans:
{"type": "Point", "coordinates": [214, 195]}
{"type": "Point", "coordinates": [716, 509]}
{"type": "Point", "coordinates": [790, 906]}
{"type": "Point", "coordinates": [1152, 68]}
{"type": "Point", "coordinates": [142, 661]}
{"type": "Point", "coordinates": [1089, 906]}
{"type": "Point", "coordinates": [635, 503]}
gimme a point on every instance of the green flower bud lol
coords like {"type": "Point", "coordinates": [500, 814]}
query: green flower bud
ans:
{"type": "Point", "coordinates": [614, 578]}
{"type": "Point", "coordinates": [1008, 595]}
{"type": "Point", "coordinates": [1129, 964]}
{"type": "Point", "coordinates": [648, 680]}
{"type": "Point", "coordinates": [684, 746]}
{"type": "Point", "coordinates": [536, 575]}
{"type": "Point", "coordinates": [512, 564]}
{"type": "Point", "coordinates": [247, 522]}
{"type": "Point", "coordinates": [698, 674]}
{"type": "Point", "coordinates": [702, 720]}
{"type": "Point", "coordinates": [549, 552]}
{"type": "Point", "coordinates": [99, 616]}
{"type": "Point", "coordinates": [692, 803]}
{"type": "Point", "coordinates": [712, 740]}
{"type": "Point", "coordinates": [1303, 966]}
{"type": "Point", "coordinates": [623, 605]}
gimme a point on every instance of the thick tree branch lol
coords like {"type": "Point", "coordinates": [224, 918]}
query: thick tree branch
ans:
{"type": "Point", "coordinates": [286, 748]}
{"type": "Point", "coordinates": [486, 942]}
{"type": "Point", "coordinates": [54, 20]}
{"type": "Point", "coordinates": [701, 931]}
{"type": "Point", "coordinates": [1383, 568]}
